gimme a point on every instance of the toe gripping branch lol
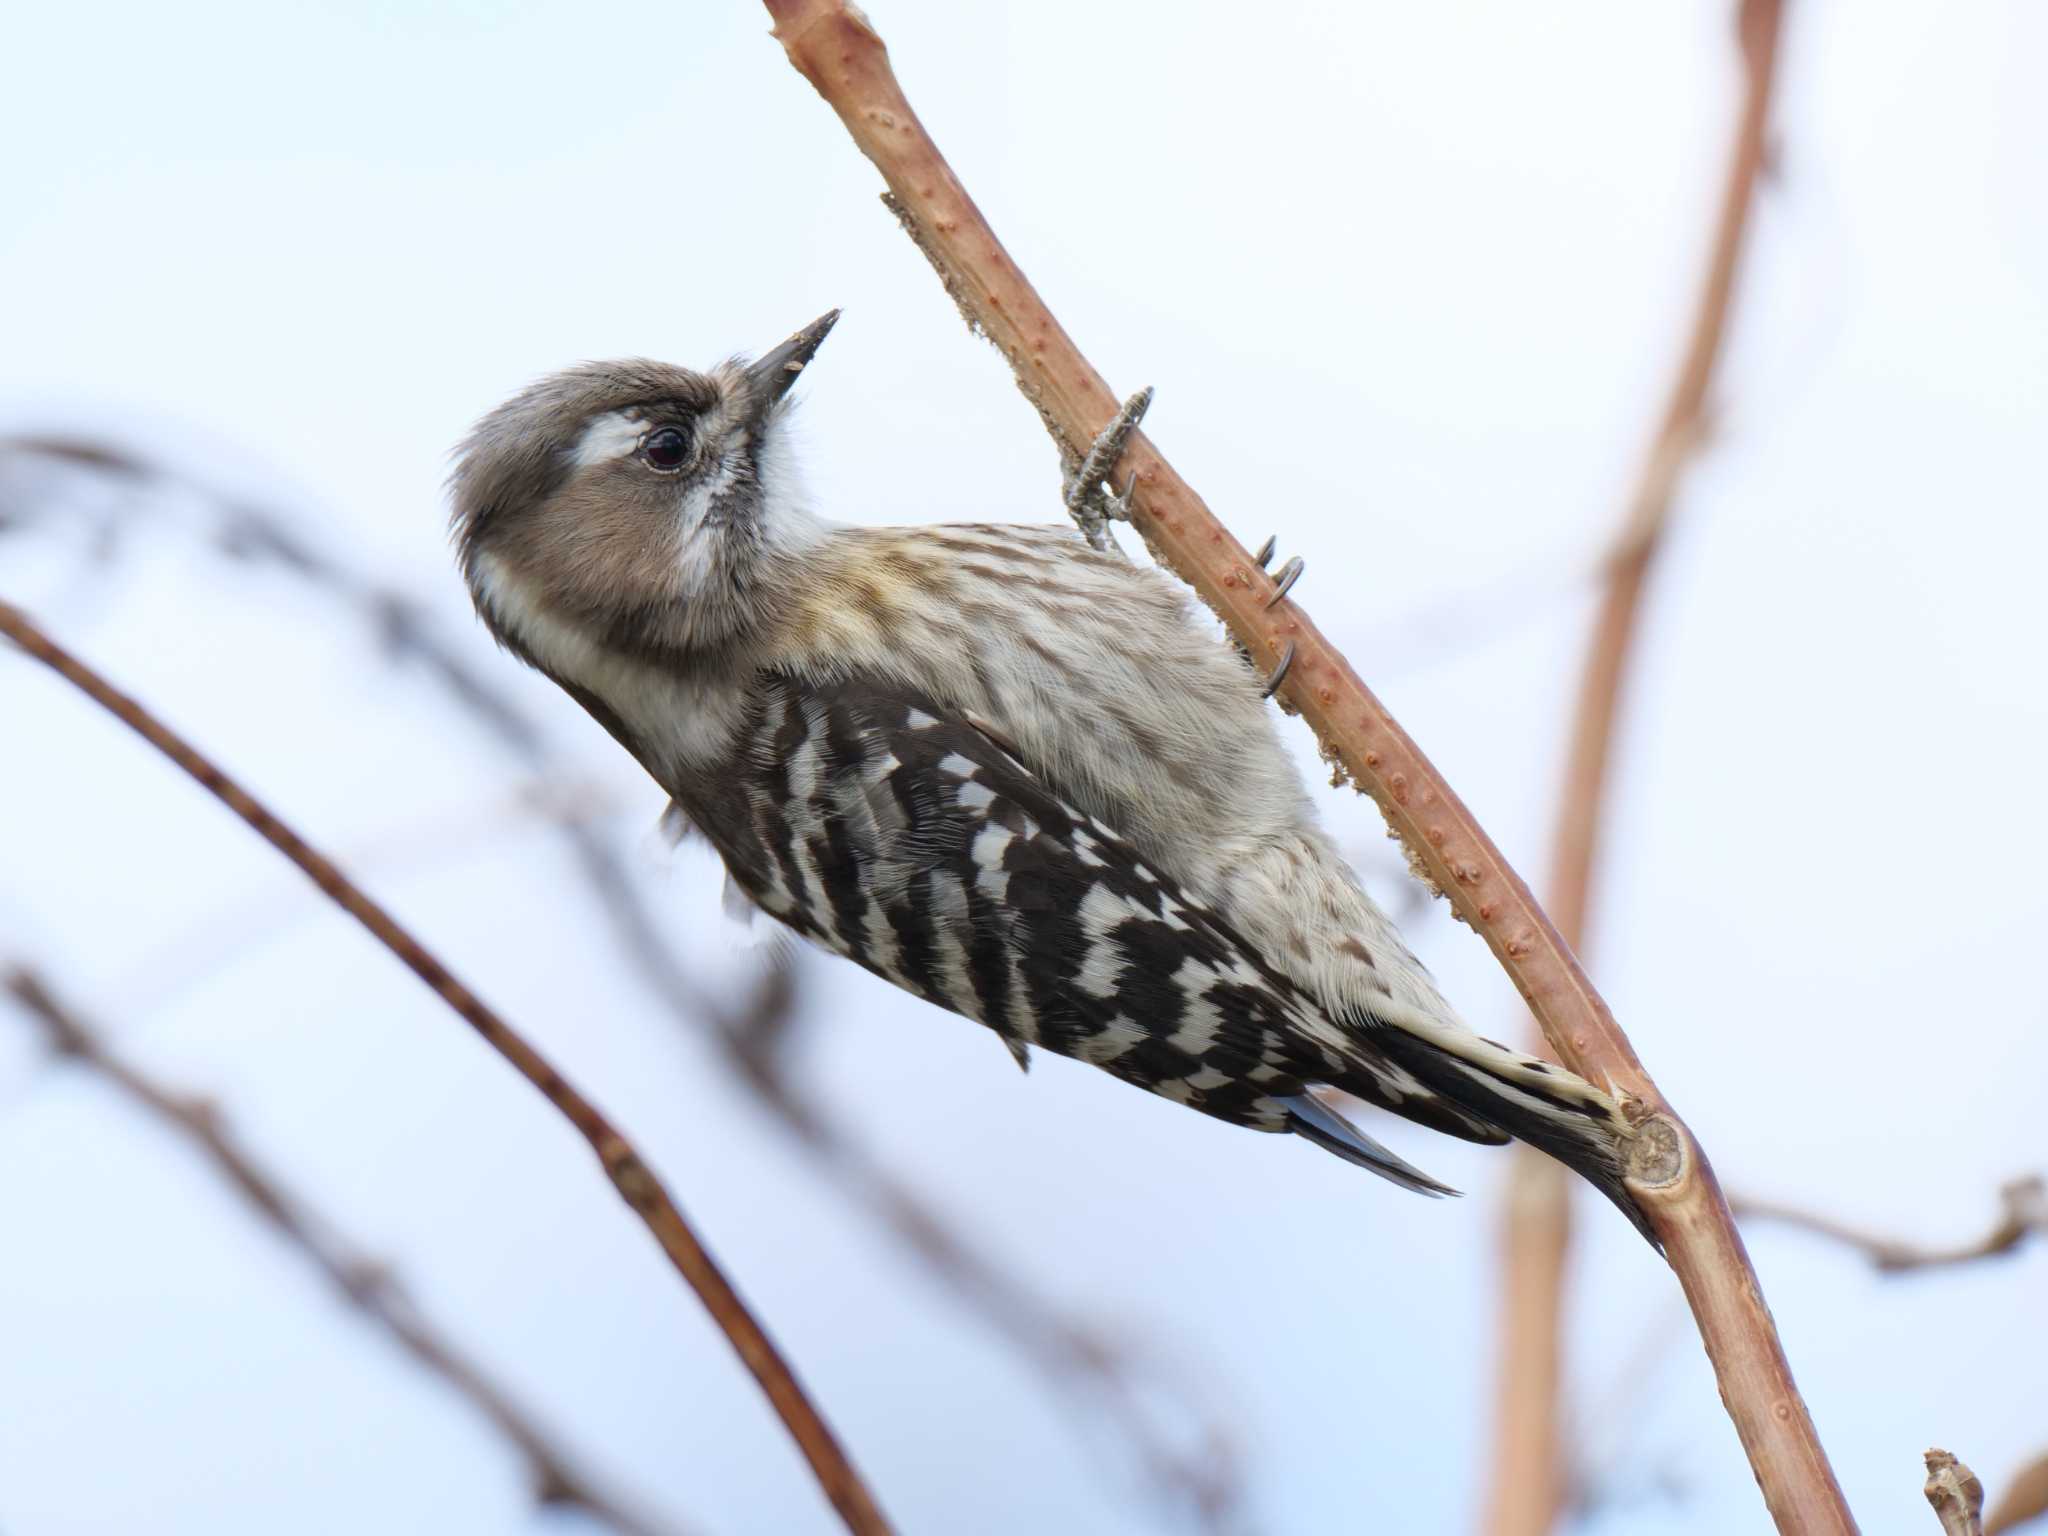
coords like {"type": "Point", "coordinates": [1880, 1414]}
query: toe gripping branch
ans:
{"type": "Point", "coordinates": [1094, 506]}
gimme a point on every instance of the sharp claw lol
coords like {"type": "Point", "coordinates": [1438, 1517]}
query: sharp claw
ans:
{"type": "Point", "coordinates": [1288, 575]}
{"type": "Point", "coordinates": [1279, 673]}
{"type": "Point", "coordinates": [1266, 549]}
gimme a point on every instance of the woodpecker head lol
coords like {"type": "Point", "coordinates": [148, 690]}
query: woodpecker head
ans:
{"type": "Point", "coordinates": [633, 505]}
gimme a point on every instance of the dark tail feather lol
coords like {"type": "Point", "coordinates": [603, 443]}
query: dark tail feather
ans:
{"type": "Point", "coordinates": [1528, 1099]}
{"type": "Point", "coordinates": [1309, 1116]}
{"type": "Point", "coordinates": [1433, 1111]}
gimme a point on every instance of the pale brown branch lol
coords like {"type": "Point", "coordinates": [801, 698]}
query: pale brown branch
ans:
{"type": "Point", "coordinates": [635, 1182]}
{"type": "Point", "coordinates": [1955, 1493]}
{"type": "Point", "coordinates": [2025, 1498]}
{"type": "Point", "coordinates": [2023, 1213]}
{"type": "Point", "coordinates": [838, 51]}
{"type": "Point", "coordinates": [1527, 1483]}
{"type": "Point", "coordinates": [365, 1284]}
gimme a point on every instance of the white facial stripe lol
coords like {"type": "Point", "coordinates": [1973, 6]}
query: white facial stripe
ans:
{"type": "Point", "coordinates": [610, 436]}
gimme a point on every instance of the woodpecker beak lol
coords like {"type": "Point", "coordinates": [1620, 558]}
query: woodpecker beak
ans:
{"type": "Point", "coordinates": [774, 373]}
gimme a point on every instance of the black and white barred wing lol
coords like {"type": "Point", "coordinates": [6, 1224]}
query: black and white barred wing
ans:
{"type": "Point", "coordinates": [914, 843]}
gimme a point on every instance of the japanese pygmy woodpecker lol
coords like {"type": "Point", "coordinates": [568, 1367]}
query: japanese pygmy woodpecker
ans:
{"type": "Point", "coordinates": [1002, 769]}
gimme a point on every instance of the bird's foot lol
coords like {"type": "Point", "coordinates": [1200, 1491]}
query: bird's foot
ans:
{"type": "Point", "coordinates": [1089, 500]}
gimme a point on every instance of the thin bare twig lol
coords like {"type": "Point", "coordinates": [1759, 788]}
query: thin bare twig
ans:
{"type": "Point", "coordinates": [1528, 1482]}
{"type": "Point", "coordinates": [366, 1284]}
{"type": "Point", "coordinates": [635, 1182]}
{"type": "Point", "coordinates": [1955, 1493]}
{"type": "Point", "coordinates": [2025, 1498]}
{"type": "Point", "coordinates": [833, 45]}
{"type": "Point", "coordinates": [1099, 1374]}
{"type": "Point", "coordinates": [2023, 1213]}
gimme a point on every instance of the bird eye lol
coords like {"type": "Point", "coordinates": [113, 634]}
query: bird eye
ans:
{"type": "Point", "coordinates": [665, 449]}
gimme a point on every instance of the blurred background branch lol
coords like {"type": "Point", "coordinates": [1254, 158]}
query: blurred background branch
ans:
{"type": "Point", "coordinates": [2023, 1213]}
{"type": "Point", "coordinates": [366, 1284]}
{"type": "Point", "coordinates": [2025, 1498]}
{"type": "Point", "coordinates": [1530, 1477]}
{"type": "Point", "coordinates": [635, 1182]}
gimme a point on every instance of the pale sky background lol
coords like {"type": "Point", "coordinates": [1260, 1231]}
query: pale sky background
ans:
{"type": "Point", "coordinates": [1410, 280]}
